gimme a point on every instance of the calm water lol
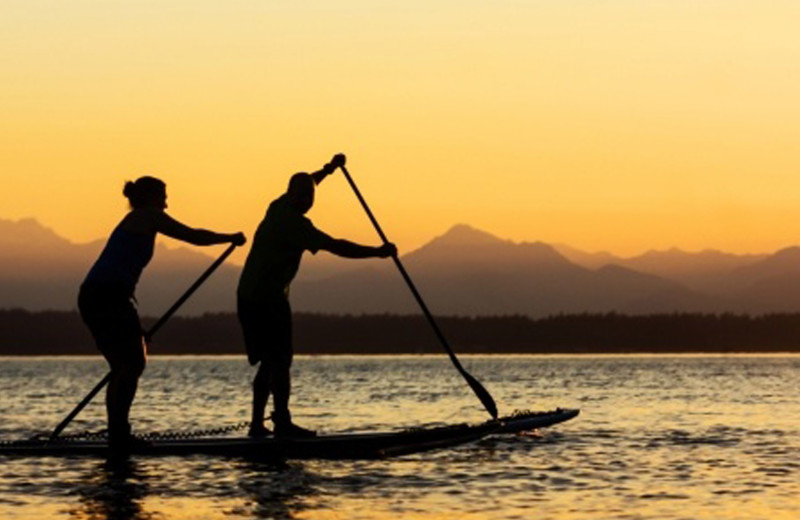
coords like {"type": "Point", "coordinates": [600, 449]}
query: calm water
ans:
{"type": "Point", "coordinates": [685, 437]}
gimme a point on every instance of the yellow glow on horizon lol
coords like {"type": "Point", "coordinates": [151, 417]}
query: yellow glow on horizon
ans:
{"type": "Point", "coordinates": [619, 126]}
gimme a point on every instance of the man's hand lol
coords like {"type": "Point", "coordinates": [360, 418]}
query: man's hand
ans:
{"type": "Point", "coordinates": [387, 250]}
{"type": "Point", "coordinates": [337, 161]}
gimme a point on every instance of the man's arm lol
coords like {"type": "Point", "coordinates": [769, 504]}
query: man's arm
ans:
{"type": "Point", "coordinates": [337, 161]}
{"type": "Point", "coordinates": [347, 249]}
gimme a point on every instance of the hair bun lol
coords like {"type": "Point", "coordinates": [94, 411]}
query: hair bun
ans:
{"type": "Point", "coordinates": [144, 191]}
{"type": "Point", "coordinates": [129, 189]}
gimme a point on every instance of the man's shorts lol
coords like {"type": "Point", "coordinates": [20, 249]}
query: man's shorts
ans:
{"type": "Point", "coordinates": [114, 323]}
{"type": "Point", "coordinates": [267, 330]}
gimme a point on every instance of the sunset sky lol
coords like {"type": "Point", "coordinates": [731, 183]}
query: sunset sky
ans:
{"type": "Point", "coordinates": [607, 124]}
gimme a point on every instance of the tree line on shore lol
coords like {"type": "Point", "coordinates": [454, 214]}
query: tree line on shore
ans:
{"type": "Point", "coordinates": [62, 333]}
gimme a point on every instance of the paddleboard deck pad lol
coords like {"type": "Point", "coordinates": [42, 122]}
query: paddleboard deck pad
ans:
{"type": "Point", "coordinates": [367, 445]}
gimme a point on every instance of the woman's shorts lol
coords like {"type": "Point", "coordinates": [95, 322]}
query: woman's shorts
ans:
{"type": "Point", "coordinates": [114, 323]}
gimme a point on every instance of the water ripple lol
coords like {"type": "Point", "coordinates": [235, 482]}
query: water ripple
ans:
{"type": "Point", "coordinates": [659, 437]}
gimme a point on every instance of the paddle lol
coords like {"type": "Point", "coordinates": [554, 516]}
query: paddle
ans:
{"type": "Point", "coordinates": [147, 336]}
{"type": "Point", "coordinates": [477, 387]}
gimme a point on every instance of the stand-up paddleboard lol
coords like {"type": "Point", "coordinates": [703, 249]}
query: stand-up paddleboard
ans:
{"type": "Point", "coordinates": [525, 421]}
{"type": "Point", "coordinates": [335, 446]}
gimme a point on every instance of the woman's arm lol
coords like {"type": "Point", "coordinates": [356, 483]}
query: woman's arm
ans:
{"type": "Point", "coordinates": [199, 237]}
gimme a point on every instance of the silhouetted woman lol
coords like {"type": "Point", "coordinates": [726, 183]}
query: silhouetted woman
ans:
{"type": "Point", "coordinates": [107, 294]}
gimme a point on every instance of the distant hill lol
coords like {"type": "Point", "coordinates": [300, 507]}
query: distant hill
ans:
{"type": "Point", "coordinates": [587, 259]}
{"type": "Point", "coordinates": [470, 272]}
{"type": "Point", "coordinates": [704, 271]}
{"type": "Point", "coordinates": [465, 271]}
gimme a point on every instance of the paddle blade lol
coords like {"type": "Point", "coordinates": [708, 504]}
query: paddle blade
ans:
{"type": "Point", "coordinates": [483, 395]}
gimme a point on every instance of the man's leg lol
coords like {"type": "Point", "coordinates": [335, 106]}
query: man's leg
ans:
{"type": "Point", "coordinates": [261, 391]}
{"type": "Point", "coordinates": [282, 389]}
{"type": "Point", "coordinates": [279, 354]}
{"type": "Point", "coordinates": [252, 320]}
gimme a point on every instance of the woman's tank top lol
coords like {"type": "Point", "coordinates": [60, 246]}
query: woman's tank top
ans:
{"type": "Point", "coordinates": [123, 259]}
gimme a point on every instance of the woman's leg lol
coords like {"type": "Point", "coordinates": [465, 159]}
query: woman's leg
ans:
{"type": "Point", "coordinates": [127, 365]}
{"type": "Point", "coordinates": [114, 323]}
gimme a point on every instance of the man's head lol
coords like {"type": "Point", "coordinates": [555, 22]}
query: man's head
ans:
{"type": "Point", "coordinates": [301, 191]}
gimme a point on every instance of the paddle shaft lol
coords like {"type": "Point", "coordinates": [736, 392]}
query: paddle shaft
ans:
{"type": "Point", "coordinates": [147, 336]}
{"type": "Point", "coordinates": [484, 396]}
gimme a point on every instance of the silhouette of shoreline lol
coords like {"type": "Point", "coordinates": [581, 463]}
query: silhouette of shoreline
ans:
{"type": "Point", "coordinates": [62, 333]}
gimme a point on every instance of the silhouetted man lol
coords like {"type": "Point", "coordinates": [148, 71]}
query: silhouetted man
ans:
{"type": "Point", "coordinates": [263, 293]}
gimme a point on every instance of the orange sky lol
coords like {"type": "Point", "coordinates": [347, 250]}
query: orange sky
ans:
{"type": "Point", "coordinates": [620, 125]}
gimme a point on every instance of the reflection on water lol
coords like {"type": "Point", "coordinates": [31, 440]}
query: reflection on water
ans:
{"type": "Point", "coordinates": [113, 490]}
{"type": "Point", "coordinates": [659, 437]}
{"type": "Point", "coordinates": [275, 492]}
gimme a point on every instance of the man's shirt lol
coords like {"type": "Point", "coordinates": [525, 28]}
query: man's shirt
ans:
{"type": "Point", "coordinates": [278, 246]}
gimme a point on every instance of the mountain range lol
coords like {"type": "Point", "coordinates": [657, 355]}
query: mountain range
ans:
{"type": "Point", "coordinates": [465, 271]}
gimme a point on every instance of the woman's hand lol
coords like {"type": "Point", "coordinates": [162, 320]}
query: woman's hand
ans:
{"type": "Point", "coordinates": [238, 239]}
